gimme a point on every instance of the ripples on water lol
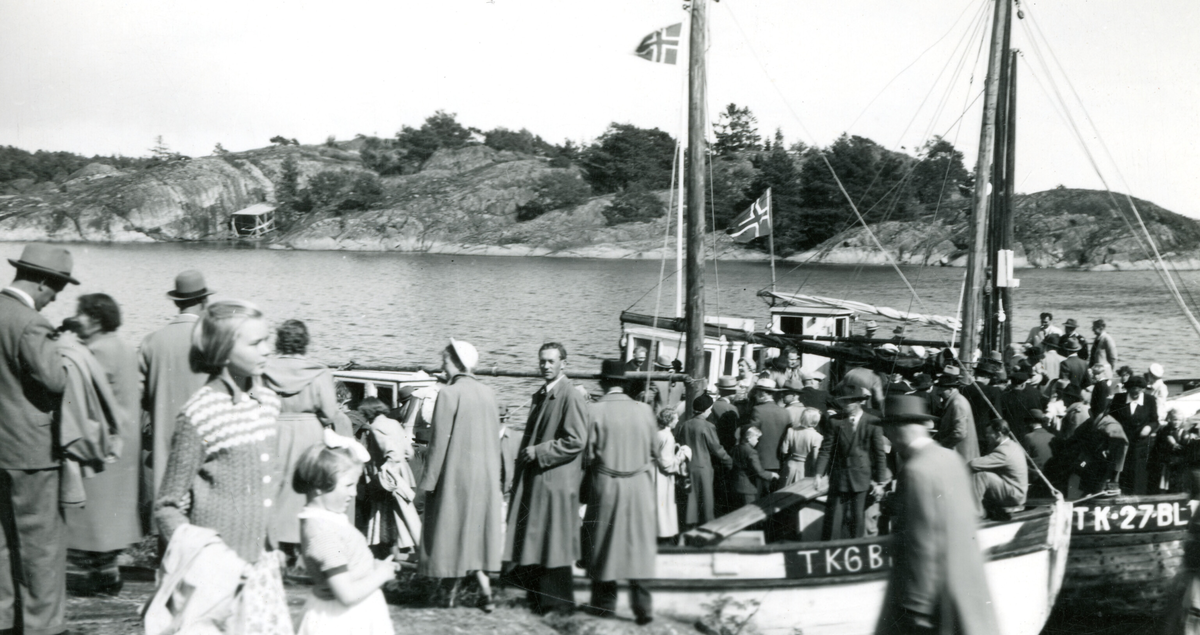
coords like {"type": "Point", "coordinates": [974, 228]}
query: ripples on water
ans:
{"type": "Point", "coordinates": [387, 308]}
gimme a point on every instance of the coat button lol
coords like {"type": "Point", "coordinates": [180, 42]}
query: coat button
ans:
{"type": "Point", "coordinates": [267, 503]}
{"type": "Point", "coordinates": [266, 479]}
{"type": "Point", "coordinates": [265, 457]}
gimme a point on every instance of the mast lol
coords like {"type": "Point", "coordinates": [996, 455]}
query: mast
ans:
{"type": "Point", "coordinates": [997, 332]}
{"type": "Point", "coordinates": [977, 258]}
{"type": "Point", "coordinates": [697, 44]}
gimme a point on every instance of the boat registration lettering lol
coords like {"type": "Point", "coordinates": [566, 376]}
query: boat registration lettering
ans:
{"type": "Point", "coordinates": [833, 561]}
{"type": "Point", "coordinates": [1092, 519]}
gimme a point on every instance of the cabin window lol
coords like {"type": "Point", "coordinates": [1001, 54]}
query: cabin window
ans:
{"type": "Point", "coordinates": [841, 327]}
{"type": "Point", "coordinates": [730, 363]}
{"type": "Point", "coordinates": [791, 324]}
{"type": "Point", "coordinates": [387, 395]}
{"type": "Point", "coordinates": [708, 363]}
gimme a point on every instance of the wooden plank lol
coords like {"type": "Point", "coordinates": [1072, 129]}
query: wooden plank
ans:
{"type": "Point", "coordinates": [786, 498]}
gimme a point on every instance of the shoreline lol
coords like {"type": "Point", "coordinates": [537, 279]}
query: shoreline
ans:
{"type": "Point", "coordinates": [609, 251]}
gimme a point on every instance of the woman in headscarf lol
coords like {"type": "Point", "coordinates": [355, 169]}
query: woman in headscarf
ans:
{"type": "Point", "coordinates": [310, 405]}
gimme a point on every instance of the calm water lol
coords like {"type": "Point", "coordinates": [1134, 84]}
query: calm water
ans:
{"type": "Point", "coordinates": [385, 308]}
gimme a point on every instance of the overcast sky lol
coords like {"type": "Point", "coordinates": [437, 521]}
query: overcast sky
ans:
{"type": "Point", "coordinates": [108, 77]}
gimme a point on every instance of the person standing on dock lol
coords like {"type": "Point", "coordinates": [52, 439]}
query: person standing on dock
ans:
{"type": "Point", "coordinates": [620, 520]}
{"type": "Point", "coordinates": [33, 546]}
{"type": "Point", "coordinates": [1073, 367]}
{"type": "Point", "coordinates": [463, 528]}
{"type": "Point", "coordinates": [772, 420]}
{"type": "Point", "coordinates": [542, 541]}
{"type": "Point", "coordinates": [937, 583]}
{"type": "Point", "coordinates": [856, 461]}
{"type": "Point", "coordinates": [1069, 333]}
{"type": "Point", "coordinates": [166, 375]}
{"type": "Point", "coordinates": [956, 430]}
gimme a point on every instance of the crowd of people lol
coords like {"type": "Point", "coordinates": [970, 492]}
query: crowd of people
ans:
{"type": "Point", "coordinates": [249, 465]}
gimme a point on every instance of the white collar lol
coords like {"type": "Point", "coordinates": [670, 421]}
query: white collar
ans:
{"type": "Point", "coordinates": [22, 296]}
{"type": "Point", "coordinates": [1141, 399]}
{"type": "Point", "coordinates": [550, 386]}
{"type": "Point", "coordinates": [317, 513]}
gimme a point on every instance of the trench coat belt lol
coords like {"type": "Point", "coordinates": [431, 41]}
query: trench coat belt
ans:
{"type": "Point", "coordinates": [607, 471]}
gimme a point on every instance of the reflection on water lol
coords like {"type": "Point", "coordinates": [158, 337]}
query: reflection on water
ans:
{"type": "Point", "coordinates": [387, 308]}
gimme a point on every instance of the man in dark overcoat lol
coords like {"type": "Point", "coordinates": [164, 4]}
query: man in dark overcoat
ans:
{"type": "Point", "coordinates": [772, 419]}
{"type": "Point", "coordinates": [167, 379]}
{"type": "Point", "coordinates": [1073, 368]}
{"type": "Point", "coordinates": [621, 518]}
{"type": "Point", "coordinates": [33, 546]}
{"type": "Point", "coordinates": [699, 434]}
{"type": "Point", "coordinates": [956, 429]}
{"type": "Point", "coordinates": [937, 583]}
{"type": "Point", "coordinates": [725, 415]}
{"type": "Point", "coordinates": [855, 459]}
{"type": "Point", "coordinates": [1137, 411]}
{"type": "Point", "coordinates": [542, 541]}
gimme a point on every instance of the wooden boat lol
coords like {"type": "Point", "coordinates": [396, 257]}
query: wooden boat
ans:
{"type": "Point", "coordinates": [1125, 551]}
{"type": "Point", "coordinates": [837, 587]}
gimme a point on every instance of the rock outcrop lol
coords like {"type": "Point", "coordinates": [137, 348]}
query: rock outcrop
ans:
{"type": "Point", "coordinates": [466, 201]}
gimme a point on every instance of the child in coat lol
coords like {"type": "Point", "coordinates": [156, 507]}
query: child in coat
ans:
{"type": "Point", "coordinates": [346, 595]}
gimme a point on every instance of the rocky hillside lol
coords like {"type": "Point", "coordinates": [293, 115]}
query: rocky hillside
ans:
{"type": "Point", "coordinates": [466, 201]}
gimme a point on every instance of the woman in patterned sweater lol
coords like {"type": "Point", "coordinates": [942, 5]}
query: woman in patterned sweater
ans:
{"type": "Point", "coordinates": [222, 472]}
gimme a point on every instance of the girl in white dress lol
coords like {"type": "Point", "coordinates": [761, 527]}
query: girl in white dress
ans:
{"type": "Point", "coordinates": [346, 595]}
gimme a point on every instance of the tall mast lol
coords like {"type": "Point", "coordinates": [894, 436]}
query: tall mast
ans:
{"type": "Point", "coordinates": [977, 258]}
{"type": "Point", "coordinates": [697, 120]}
{"type": "Point", "coordinates": [996, 333]}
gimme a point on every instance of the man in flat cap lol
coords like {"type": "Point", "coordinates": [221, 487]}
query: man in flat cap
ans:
{"type": "Point", "coordinates": [167, 378]}
{"type": "Point", "coordinates": [32, 379]}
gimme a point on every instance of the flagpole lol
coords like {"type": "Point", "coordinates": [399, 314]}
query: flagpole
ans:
{"type": "Point", "coordinates": [771, 237]}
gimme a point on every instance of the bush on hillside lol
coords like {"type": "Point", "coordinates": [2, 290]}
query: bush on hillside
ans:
{"type": "Point", "coordinates": [626, 155]}
{"type": "Point", "coordinates": [634, 204]}
{"type": "Point", "coordinates": [555, 190]}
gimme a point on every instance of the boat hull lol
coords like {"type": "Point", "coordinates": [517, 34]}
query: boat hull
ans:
{"type": "Point", "coordinates": [838, 587]}
{"type": "Point", "coordinates": [1125, 553]}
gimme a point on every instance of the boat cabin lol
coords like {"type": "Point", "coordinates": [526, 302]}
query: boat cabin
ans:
{"type": "Point", "coordinates": [387, 383]}
{"type": "Point", "coordinates": [812, 321]}
{"type": "Point", "coordinates": [253, 222]}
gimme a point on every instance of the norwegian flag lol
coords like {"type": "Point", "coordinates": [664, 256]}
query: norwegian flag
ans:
{"type": "Point", "coordinates": [662, 46]}
{"type": "Point", "coordinates": [754, 222]}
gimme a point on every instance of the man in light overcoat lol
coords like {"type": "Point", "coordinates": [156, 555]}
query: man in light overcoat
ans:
{"type": "Point", "coordinates": [167, 379]}
{"type": "Point", "coordinates": [33, 549]}
{"type": "Point", "coordinates": [956, 430]}
{"type": "Point", "coordinates": [621, 518]}
{"type": "Point", "coordinates": [542, 541]}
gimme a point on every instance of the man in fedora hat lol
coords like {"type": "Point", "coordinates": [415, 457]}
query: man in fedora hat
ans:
{"type": "Point", "coordinates": [620, 522]}
{"type": "Point", "coordinates": [1073, 368]}
{"type": "Point", "coordinates": [33, 557]}
{"type": "Point", "coordinates": [956, 429]}
{"type": "Point", "coordinates": [772, 420]}
{"type": "Point", "coordinates": [856, 460]}
{"type": "Point", "coordinates": [725, 414]}
{"type": "Point", "coordinates": [708, 456]}
{"type": "Point", "coordinates": [166, 374]}
{"type": "Point", "coordinates": [1069, 333]}
{"type": "Point", "coordinates": [937, 582]}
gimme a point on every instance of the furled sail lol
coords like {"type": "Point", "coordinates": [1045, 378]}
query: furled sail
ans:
{"type": "Point", "coordinates": [817, 302]}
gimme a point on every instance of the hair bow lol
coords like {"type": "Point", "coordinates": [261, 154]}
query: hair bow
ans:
{"type": "Point", "coordinates": [335, 440]}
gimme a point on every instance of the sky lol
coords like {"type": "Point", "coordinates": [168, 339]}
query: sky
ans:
{"type": "Point", "coordinates": [108, 77]}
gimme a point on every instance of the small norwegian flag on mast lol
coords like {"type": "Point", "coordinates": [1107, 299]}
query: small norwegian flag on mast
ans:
{"type": "Point", "coordinates": [754, 222]}
{"type": "Point", "coordinates": [662, 46]}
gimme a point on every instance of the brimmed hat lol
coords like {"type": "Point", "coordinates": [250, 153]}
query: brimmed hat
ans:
{"type": "Point", "coordinates": [1137, 381]}
{"type": "Point", "coordinates": [766, 384]}
{"type": "Point", "coordinates": [852, 393]}
{"type": "Point", "coordinates": [898, 388]}
{"type": "Point", "coordinates": [1070, 345]}
{"type": "Point", "coordinates": [404, 393]}
{"type": "Point", "coordinates": [727, 383]}
{"type": "Point", "coordinates": [663, 361]}
{"type": "Point", "coordinates": [702, 403]}
{"type": "Point", "coordinates": [50, 260]}
{"type": "Point", "coordinates": [793, 385]}
{"type": "Point", "coordinates": [905, 409]}
{"type": "Point", "coordinates": [1071, 323]}
{"type": "Point", "coordinates": [465, 352]}
{"type": "Point", "coordinates": [1019, 377]}
{"type": "Point", "coordinates": [889, 348]}
{"type": "Point", "coordinates": [189, 285]}
{"type": "Point", "coordinates": [1156, 370]}
{"type": "Point", "coordinates": [921, 381]}
{"type": "Point", "coordinates": [612, 369]}
{"type": "Point", "coordinates": [872, 326]}
{"type": "Point", "coordinates": [951, 376]}
{"type": "Point", "coordinates": [899, 330]}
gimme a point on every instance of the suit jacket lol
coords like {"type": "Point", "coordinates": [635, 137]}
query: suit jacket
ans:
{"type": "Point", "coordinates": [32, 380]}
{"type": "Point", "coordinates": [956, 430]}
{"type": "Point", "coordinates": [1104, 349]}
{"type": "Point", "coordinates": [1015, 405]}
{"type": "Point", "coordinates": [854, 456]}
{"type": "Point", "coordinates": [1074, 370]}
{"type": "Point", "coordinates": [727, 419]}
{"type": "Point", "coordinates": [543, 517]}
{"type": "Point", "coordinates": [701, 436]}
{"type": "Point", "coordinates": [1145, 415]}
{"type": "Point", "coordinates": [774, 422]}
{"type": "Point", "coordinates": [937, 567]}
{"type": "Point", "coordinates": [751, 477]}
